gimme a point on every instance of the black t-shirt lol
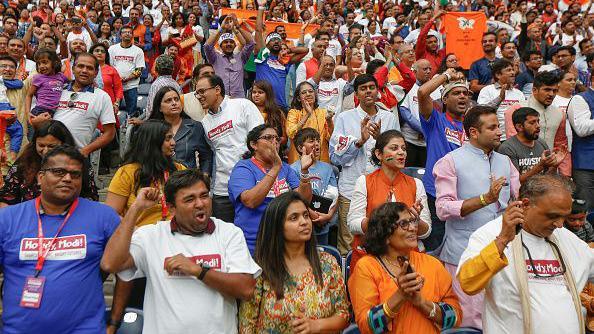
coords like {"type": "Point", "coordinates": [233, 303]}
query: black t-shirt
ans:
{"type": "Point", "coordinates": [522, 156]}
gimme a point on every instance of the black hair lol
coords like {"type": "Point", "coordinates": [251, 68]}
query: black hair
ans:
{"type": "Point", "coordinates": [373, 65]}
{"type": "Point", "coordinates": [86, 54]}
{"type": "Point", "coordinates": [67, 150]}
{"type": "Point", "coordinates": [270, 244]}
{"type": "Point", "coordinates": [52, 56]}
{"type": "Point", "coordinates": [198, 68]}
{"type": "Point", "coordinates": [382, 140]}
{"type": "Point", "coordinates": [126, 26]}
{"type": "Point", "coordinates": [101, 45]}
{"type": "Point", "coordinates": [157, 113]}
{"type": "Point", "coordinates": [296, 103]}
{"type": "Point", "coordinates": [527, 54]}
{"type": "Point", "coordinates": [183, 179]}
{"type": "Point", "coordinates": [521, 114]}
{"type": "Point", "coordinates": [546, 78]}
{"type": "Point", "coordinates": [215, 81]}
{"type": "Point", "coordinates": [145, 149]}
{"type": "Point", "coordinates": [321, 33]}
{"type": "Point", "coordinates": [362, 79]}
{"type": "Point", "coordinates": [567, 48]}
{"type": "Point", "coordinates": [579, 205]}
{"type": "Point", "coordinates": [381, 226]}
{"type": "Point", "coordinates": [303, 135]}
{"type": "Point", "coordinates": [275, 116]}
{"type": "Point", "coordinates": [499, 65]}
{"type": "Point", "coordinates": [443, 66]}
{"type": "Point", "coordinates": [355, 26]}
{"type": "Point", "coordinates": [589, 58]}
{"type": "Point", "coordinates": [9, 58]}
{"type": "Point", "coordinates": [164, 71]}
{"type": "Point", "coordinates": [252, 137]}
{"type": "Point", "coordinates": [490, 33]}
{"type": "Point", "coordinates": [582, 42]}
{"type": "Point", "coordinates": [472, 118]}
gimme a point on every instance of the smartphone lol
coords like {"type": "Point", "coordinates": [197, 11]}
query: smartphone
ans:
{"type": "Point", "coordinates": [512, 199]}
{"type": "Point", "coordinates": [401, 260]}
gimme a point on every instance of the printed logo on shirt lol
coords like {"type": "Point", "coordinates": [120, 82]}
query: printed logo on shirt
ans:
{"type": "Point", "coordinates": [507, 103]}
{"type": "Point", "coordinates": [454, 136]}
{"type": "Point", "coordinates": [74, 105]}
{"type": "Point", "coordinates": [274, 63]}
{"type": "Point", "coordinates": [545, 268]}
{"type": "Point", "coordinates": [124, 58]}
{"type": "Point", "coordinates": [72, 247]}
{"type": "Point", "coordinates": [221, 130]}
{"type": "Point", "coordinates": [327, 93]}
{"type": "Point", "coordinates": [212, 260]}
{"type": "Point", "coordinates": [279, 187]}
{"type": "Point", "coordinates": [343, 144]}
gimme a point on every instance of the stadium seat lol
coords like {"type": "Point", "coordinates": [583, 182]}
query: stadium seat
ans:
{"type": "Point", "coordinates": [462, 330]}
{"type": "Point", "coordinates": [416, 172]}
{"type": "Point", "coordinates": [131, 322]}
{"type": "Point", "coordinates": [347, 265]}
{"type": "Point", "coordinates": [143, 89]}
{"type": "Point", "coordinates": [334, 252]}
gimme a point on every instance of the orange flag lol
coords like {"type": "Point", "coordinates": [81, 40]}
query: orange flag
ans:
{"type": "Point", "coordinates": [244, 14]}
{"type": "Point", "coordinates": [293, 29]}
{"type": "Point", "coordinates": [464, 32]}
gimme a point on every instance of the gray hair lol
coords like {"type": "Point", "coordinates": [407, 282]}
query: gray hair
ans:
{"type": "Point", "coordinates": [539, 185]}
{"type": "Point", "coordinates": [401, 48]}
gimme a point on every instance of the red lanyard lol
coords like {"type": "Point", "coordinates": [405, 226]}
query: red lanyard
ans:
{"type": "Point", "coordinates": [275, 186]}
{"type": "Point", "coordinates": [42, 256]}
{"type": "Point", "coordinates": [164, 209]}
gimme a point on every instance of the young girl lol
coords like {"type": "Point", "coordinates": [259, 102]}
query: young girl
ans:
{"type": "Point", "coordinates": [47, 85]}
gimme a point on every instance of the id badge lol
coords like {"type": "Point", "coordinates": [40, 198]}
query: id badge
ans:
{"type": "Point", "coordinates": [32, 292]}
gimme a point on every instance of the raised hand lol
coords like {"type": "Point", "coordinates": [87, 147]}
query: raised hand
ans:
{"type": "Point", "coordinates": [375, 128]}
{"type": "Point", "coordinates": [496, 185]}
{"type": "Point", "coordinates": [364, 130]}
{"type": "Point", "coordinates": [513, 216]}
{"type": "Point", "coordinates": [180, 263]}
{"type": "Point", "coordinates": [146, 198]}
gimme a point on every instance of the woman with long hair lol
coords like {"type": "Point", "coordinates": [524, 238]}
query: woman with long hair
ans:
{"type": "Point", "coordinates": [301, 290]}
{"type": "Point", "coordinates": [262, 176]}
{"type": "Point", "coordinates": [116, 27]}
{"type": "Point", "coordinates": [104, 34]}
{"type": "Point", "coordinates": [20, 184]}
{"type": "Point", "coordinates": [178, 31]}
{"type": "Point", "coordinates": [305, 113]}
{"type": "Point", "coordinates": [395, 289]}
{"type": "Point", "coordinates": [263, 97]}
{"type": "Point", "coordinates": [190, 138]}
{"type": "Point", "coordinates": [449, 61]}
{"type": "Point", "coordinates": [147, 163]}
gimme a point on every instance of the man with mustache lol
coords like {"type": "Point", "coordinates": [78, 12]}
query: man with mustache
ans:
{"type": "Point", "coordinates": [467, 198]}
{"type": "Point", "coordinates": [196, 265]}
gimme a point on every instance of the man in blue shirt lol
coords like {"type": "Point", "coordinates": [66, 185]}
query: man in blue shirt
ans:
{"type": "Point", "coordinates": [443, 132]}
{"type": "Point", "coordinates": [272, 64]}
{"type": "Point", "coordinates": [64, 293]}
{"type": "Point", "coordinates": [480, 71]}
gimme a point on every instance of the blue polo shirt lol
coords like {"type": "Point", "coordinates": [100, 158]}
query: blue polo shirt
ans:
{"type": "Point", "coordinates": [481, 70]}
{"type": "Point", "coordinates": [72, 300]}
{"type": "Point", "coordinates": [245, 176]}
{"type": "Point", "coordinates": [269, 68]}
{"type": "Point", "coordinates": [442, 135]}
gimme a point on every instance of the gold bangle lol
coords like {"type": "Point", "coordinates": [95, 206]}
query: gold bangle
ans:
{"type": "Point", "coordinates": [482, 198]}
{"type": "Point", "coordinates": [388, 312]}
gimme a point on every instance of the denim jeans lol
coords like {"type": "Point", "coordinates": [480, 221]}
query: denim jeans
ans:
{"type": "Point", "coordinates": [131, 99]}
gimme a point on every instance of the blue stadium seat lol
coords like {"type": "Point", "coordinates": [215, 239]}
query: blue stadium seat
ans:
{"type": "Point", "coordinates": [334, 252]}
{"type": "Point", "coordinates": [463, 330]}
{"type": "Point", "coordinates": [347, 266]}
{"type": "Point", "coordinates": [416, 172]}
{"type": "Point", "coordinates": [131, 322]}
{"type": "Point", "coordinates": [143, 89]}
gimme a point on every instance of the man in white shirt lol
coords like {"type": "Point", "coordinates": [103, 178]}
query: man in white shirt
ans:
{"type": "Point", "coordinates": [413, 36]}
{"type": "Point", "coordinates": [78, 32]}
{"type": "Point", "coordinates": [531, 268]}
{"type": "Point", "coordinates": [344, 29]}
{"type": "Point", "coordinates": [83, 106]}
{"type": "Point", "coordinates": [16, 49]}
{"type": "Point", "coordinates": [308, 68]}
{"type": "Point", "coordinates": [196, 266]}
{"type": "Point", "coordinates": [128, 60]}
{"type": "Point", "coordinates": [416, 148]}
{"type": "Point", "coordinates": [330, 90]}
{"type": "Point", "coordinates": [501, 94]}
{"type": "Point", "coordinates": [226, 124]}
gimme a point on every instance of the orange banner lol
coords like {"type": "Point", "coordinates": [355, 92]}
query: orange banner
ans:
{"type": "Point", "coordinates": [293, 29]}
{"type": "Point", "coordinates": [244, 14]}
{"type": "Point", "coordinates": [464, 32]}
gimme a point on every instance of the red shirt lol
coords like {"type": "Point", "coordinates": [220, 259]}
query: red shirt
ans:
{"type": "Point", "coordinates": [421, 49]}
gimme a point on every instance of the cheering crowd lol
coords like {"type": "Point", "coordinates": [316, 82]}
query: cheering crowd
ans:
{"type": "Point", "coordinates": [297, 166]}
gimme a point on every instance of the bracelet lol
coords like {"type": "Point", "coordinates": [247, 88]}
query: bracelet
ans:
{"type": "Point", "coordinates": [304, 175]}
{"type": "Point", "coordinates": [388, 312]}
{"type": "Point", "coordinates": [448, 76]}
{"type": "Point", "coordinates": [433, 311]}
{"type": "Point", "coordinates": [483, 202]}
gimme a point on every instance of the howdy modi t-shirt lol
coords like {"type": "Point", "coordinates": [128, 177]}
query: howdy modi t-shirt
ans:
{"type": "Point", "coordinates": [72, 300]}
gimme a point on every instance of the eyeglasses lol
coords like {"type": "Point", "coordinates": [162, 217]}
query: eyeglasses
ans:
{"type": "Point", "coordinates": [61, 172]}
{"type": "Point", "coordinates": [270, 138]}
{"type": "Point", "coordinates": [72, 100]}
{"type": "Point", "coordinates": [535, 271]}
{"type": "Point", "coordinates": [200, 92]}
{"type": "Point", "coordinates": [404, 224]}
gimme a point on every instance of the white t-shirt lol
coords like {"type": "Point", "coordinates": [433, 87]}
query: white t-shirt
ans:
{"type": "Point", "coordinates": [87, 109]}
{"type": "Point", "coordinates": [562, 103]}
{"type": "Point", "coordinates": [227, 132]}
{"type": "Point", "coordinates": [344, 31]}
{"type": "Point", "coordinates": [552, 307]}
{"type": "Point", "coordinates": [125, 61]}
{"type": "Point", "coordinates": [183, 304]}
{"type": "Point", "coordinates": [411, 102]}
{"type": "Point", "coordinates": [330, 94]}
{"type": "Point", "coordinates": [512, 96]}
{"type": "Point", "coordinates": [197, 29]}
{"type": "Point", "coordinates": [389, 23]}
{"type": "Point", "coordinates": [334, 48]}
{"type": "Point", "coordinates": [413, 36]}
{"type": "Point", "coordinates": [84, 35]}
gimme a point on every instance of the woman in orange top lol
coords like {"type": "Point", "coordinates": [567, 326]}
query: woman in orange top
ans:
{"type": "Point", "coordinates": [395, 289]}
{"type": "Point", "coordinates": [386, 184]}
{"type": "Point", "coordinates": [305, 113]}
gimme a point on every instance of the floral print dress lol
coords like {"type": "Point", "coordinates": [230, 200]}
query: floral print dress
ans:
{"type": "Point", "coordinates": [265, 314]}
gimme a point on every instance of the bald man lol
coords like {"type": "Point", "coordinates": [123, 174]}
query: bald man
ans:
{"type": "Point", "coordinates": [76, 47]}
{"type": "Point", "coordinates": [416, 148]}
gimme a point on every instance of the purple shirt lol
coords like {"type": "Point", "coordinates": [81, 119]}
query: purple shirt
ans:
{"type": "Point", "coordinates": [49, 89]}
{"type": "Point", "coordinates": [230, 68]}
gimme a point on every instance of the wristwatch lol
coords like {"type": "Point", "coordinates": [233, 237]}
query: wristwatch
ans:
{"type": "Point", "coordinates": [205, 268]}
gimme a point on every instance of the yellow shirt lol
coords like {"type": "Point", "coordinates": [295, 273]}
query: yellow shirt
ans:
{"type": "Point", "coordinates": [475, 274]}
{"type": "Point", "coordinates": [124, 184]}
{"type": "Point", "coordinates": [316, 121]}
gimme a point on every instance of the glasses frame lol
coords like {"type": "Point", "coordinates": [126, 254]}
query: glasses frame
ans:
{"type": "Point", "coordinates": [200, 92]}
{"type": "Point", "coordinates": [270, 138]}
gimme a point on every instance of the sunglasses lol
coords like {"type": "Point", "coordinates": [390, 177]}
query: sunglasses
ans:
{"type": "Point", "coordinates": [72, 100]}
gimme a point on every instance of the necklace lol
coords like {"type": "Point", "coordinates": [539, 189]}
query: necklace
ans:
{"type": "Point", "coordinates": [391, 262]}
